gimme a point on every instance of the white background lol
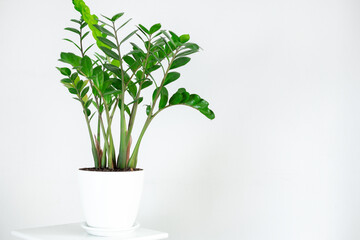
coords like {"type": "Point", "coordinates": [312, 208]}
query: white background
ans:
{"type": "Point", "coordinates": [280, 161]}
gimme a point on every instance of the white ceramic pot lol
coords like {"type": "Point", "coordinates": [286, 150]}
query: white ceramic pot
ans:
{"type": "Point", "coordinates": [110, 200]}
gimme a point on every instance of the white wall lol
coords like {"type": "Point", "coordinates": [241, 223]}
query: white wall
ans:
{"type": "Point", "coordinates": [280, 161]}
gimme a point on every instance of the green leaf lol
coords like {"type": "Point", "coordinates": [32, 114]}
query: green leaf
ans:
{"type": "Point", "coordinates": [70, 58]}
{"type": "Point", "coordinates": [175, 99]}
{"type": "Point", "coordinates": [184, 38]}
{"type": "Point", "coordinates": [155, 28]}
{"type": "Point", "coordinates": [123, 24]}
{"type": "Point", "coordinates": [133, 65]}
{"type": "Point", "coordinates": [109, 53]}
{"type": "Point", "coordinates": [86, 66]}
{"type": "Point", "coordinates": [103, 30]}
{"type": "Point", "coordinates": [76, 21]}
{"type": "Point", "coordinates": [113, 69]}
{"type": "Point", "coordinates": [148, 109]}
{"type": "Point", "coordinates": [208, 113]}
{"type": "Point", "coordinates": [174, 37]}
{"type": "Point", "coordinates": [164, 95]}
{"type": "Point", "coordinates": [84, 36]}
{"type": "Point", "coordinates": [107, 42]}
{"type": "Point", "coordinates": [185, 97]}
{"type": "Point", "coordinates": [192, 46]}
{"type": "Point", "coordinates": [65, 81]}
{"type": "Point", "coordinates": [179, 62]}
{"type": "Point", "coordinates": [146, 84]}
{"type": "Point", "coordinates": [77, 46]}
{"type": "Point", "coordinates": [171, 77]}
{"type": "Point", "coordinates": [188, 52]}
{"type": "Point", "coordinates": [132, 89]}
{"type": "Point", "coordinates": [65, 71]}
{"type": "Point", "coordinates": [72, 90]}
{"type": "Point", "coordinates": [144, 29]}
{"type": "Point", "coordinates": [79, 85]}
{"type": "Point", "coordinates": [128, 36]}
{"type": "Point", "coordinates": [193, 99]}
{"type": "Point", "coordinates": [116, 16]}
{"type": "Point", "coordinates": [72, 30]}
{"type": "Point", "coordinates": [202, 104]}
{"type": "Point", "coordinates": [83, 25]}
{"type": "Point", "coordinates": [83, 93]}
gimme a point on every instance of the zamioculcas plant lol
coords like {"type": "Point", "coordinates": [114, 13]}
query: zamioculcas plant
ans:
{"type": "Point", "coordinates": [111, 82]}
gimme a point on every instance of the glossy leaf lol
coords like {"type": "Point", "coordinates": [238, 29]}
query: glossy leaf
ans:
{"type": "Point", "coordinates": [116, 16]}
{"type": "Point", "coordinates": [171, 77]}
{"type": "Point", "coordinates": [164, 95]}
{"type": "Point", "coordinates": [83, 93]}
{"type": "Point", "coordinates": [72, 90]}
{"type": "Point", "coordinates": [144, 29]}
{"type": "Point", "coordinates": [148, 109]}
{"type": "Point", "coordinates": [70, 58]}
{"type": "Point", "coordinates": [193, 99]}
{"type": "Point", "coordinates": [154, 28]}
{"type": "Point", "coordinates": [65, 71]}
{"type": "Point", "coordinates": [175, 99]}
{"type": "Point", "coordinates": [179, 62]}
{"type": "Point", "coordinates": [146, 84]}
{"type": "Point", "coordinates": [86, 66]}
{"type": "Point", "coordinates": [184, 38]}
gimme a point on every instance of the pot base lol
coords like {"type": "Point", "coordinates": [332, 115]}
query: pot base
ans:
{"type": "Point", "coordinates": [109, 232]}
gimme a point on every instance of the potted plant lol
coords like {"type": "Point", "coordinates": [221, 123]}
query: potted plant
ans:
{"type": "Point", "coordinates": [109, 82]}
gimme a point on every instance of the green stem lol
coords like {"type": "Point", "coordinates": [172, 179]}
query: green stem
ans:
{"type": "Point", "coordinates": [134, 155]}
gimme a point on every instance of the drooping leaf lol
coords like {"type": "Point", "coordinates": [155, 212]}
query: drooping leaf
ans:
{"type": "Point", "coordinates": [193, 99]}
{"type": "Point", "coordinates": [171, 77]}
{"type": "Point", "coordinates": [179, 62]}
{"type": "Point", "coordinates": [175, 99]}
{"type": "Point", "coordinates": [110, 53]}
{"type": "Point", "coordinates": [155, 28]}
{"type": "Point", "coordinates": [107, 42]}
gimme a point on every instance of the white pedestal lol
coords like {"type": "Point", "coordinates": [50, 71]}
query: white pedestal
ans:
{"type": "Point", "coordinates": [74, 231]}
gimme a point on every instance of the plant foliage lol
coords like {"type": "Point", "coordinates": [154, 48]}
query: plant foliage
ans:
{"type": "Point", "coordinates": [110, 81]}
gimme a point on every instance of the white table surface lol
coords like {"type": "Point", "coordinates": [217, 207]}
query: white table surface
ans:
{"type": "Point", "coordinates": [74, 231]}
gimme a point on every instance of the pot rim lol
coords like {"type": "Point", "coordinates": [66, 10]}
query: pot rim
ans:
{"type": "Point", "coordinates": [139, 170]}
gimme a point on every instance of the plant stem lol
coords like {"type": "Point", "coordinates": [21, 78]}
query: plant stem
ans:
{"type": "Point", "coordinates": [134, 155]}
{"type": "Point", "coordinates": [123, 145]}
